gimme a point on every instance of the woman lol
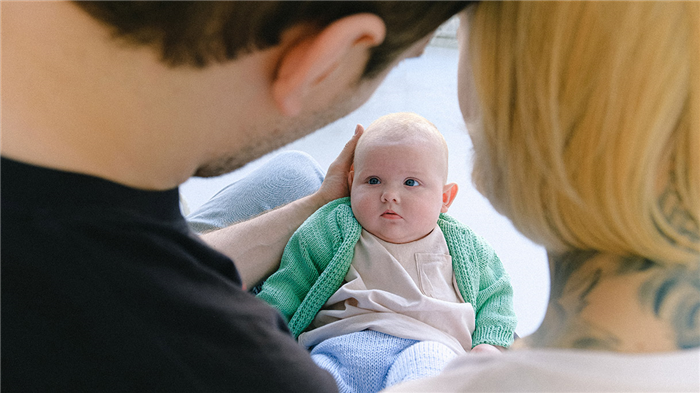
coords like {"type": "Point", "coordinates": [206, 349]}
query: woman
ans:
{"type": "Point", "coordinates": [585, 119]}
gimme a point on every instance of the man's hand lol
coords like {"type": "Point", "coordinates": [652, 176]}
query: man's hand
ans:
{"type": "Point", "coordinates": [335, 184]}
{"type": "Point", "coordinates": [256, 245]}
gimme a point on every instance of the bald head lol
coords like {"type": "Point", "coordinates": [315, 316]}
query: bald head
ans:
{"type": "Point", "coordinates": [405, 128]}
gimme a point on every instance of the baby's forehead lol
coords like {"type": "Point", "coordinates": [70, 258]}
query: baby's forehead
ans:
{"type": "Point", "coordinates": [403, 129]}
{"type": "Point", "coordinates": [410, 132]}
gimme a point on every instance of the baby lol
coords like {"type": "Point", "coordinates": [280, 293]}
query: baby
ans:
{"type": "Point", "coordinates": [383, 287]}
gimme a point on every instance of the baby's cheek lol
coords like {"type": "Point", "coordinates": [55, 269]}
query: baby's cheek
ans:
{"type": "Point", "coordinates": [359, 208]}
{"type": "Point", "coordinates": [429, 216]}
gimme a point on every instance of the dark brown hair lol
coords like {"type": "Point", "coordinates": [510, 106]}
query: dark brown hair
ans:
{"type": "Point", "coordinates": [198, 32]}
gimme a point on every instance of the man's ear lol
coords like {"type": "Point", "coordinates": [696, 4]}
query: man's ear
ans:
{"type": "Point", "coordinates": [351, 176]}
{"type": "Point", "coordinates": [309, 61]}
{"type": "Point", "coordinates": [449, 192]}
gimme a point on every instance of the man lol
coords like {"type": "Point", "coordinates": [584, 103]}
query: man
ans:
{"type": "Point", "coordinates": [108, 107]}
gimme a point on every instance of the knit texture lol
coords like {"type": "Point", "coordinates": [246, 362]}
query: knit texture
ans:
{"type": "Point", "coordinates": [318, 256]}
{"type": "Point", "coordinates": [369, 361]}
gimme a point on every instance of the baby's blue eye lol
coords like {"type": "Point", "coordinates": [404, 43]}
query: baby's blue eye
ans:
{"type": "Point", "coordinates": [410, 183]}
{"type": "Point", "coordinates": [373, 180]}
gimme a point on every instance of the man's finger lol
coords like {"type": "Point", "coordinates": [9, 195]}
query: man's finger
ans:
{"type": "Point", "coordinates": [348, 151]}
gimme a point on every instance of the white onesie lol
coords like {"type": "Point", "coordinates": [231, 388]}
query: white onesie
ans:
{"type": "Point", "coordinates": [406, 290]}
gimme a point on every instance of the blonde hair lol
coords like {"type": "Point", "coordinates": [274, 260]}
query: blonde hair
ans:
{"type": "Point", "coordinates": [589, 128]}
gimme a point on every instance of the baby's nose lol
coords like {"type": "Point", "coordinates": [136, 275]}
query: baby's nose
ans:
{"type": "Point", "coordinates": [390, 195]}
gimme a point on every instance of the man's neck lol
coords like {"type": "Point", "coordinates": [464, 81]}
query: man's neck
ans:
{"type": "Point", "coordinates": [623, 304]}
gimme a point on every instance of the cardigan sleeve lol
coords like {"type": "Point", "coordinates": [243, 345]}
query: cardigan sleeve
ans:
{"type": "Point", "coordinates": [483, 282]}
{"type": "Point", "coordinates": [495, 316]}
{"type": "Point", "coordinates": [288, 286]}
{"type": "Point", "coordinates": [313, 264]}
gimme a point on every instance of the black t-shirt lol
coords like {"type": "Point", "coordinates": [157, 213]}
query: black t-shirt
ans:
{"type": "Point", "coordinates": [104, 288]}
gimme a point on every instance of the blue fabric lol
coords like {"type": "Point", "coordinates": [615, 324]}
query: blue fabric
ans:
{"type": "Point", "coordinates": [370, 361]}
{"type": "Point", "coordinates": [285, 178]}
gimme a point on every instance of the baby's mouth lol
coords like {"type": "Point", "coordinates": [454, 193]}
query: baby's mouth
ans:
{"type": "Point", "coordinates": [390, 214]}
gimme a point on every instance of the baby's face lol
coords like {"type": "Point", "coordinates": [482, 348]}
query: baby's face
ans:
{"type": "Point", "coordinates": [397, 187]}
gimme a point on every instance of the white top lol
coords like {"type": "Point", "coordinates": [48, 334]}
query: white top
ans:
{"type": "Point", "coordinates": [550, 370]}
{"type": "Point", "coordinates": [406, 290]}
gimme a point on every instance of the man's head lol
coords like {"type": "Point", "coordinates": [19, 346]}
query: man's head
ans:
{"type": "Point", "coordinates": [198, 33]}
{"type": "Point", "coordinates": [398, 183]}
{"type": "Point", "coordinates": [148, 94]}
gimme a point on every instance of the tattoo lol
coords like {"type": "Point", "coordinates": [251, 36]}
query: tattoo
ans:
{"type": "Point", "coordinates": [635, 265]}
{"type": "Point", "coordinates": [564, 267]}
{"type": "Point", "coordinates": [573, 280]}
{"type": "Point", "coordinates": [673, 295]}
{"type": "Point", "coordinates": [599, 340]}
{"type": "Point", "coordinates": [678, 217]}
{"type": "Point", "coordinates": [670, 293]}
{"type": "Point", "coordinates": [659, 294]}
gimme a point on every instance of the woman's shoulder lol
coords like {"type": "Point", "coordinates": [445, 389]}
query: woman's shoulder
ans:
{"type": "Point", "coordinates": [565, 370]}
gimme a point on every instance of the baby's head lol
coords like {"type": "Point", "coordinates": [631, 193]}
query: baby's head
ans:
{"type": "Point", "coordinates": [398, 183]}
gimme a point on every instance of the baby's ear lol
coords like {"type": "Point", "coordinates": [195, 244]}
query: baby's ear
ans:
{"type": "Point", "coordinates": [351, 176]}
{"type": "Point", "coordinates": [449, 192]}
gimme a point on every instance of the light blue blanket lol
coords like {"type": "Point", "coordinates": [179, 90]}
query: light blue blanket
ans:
{"type": "Point", "coordinates": [370, 361]}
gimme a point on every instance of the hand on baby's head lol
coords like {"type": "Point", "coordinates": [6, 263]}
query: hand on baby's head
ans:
{"type": "Point", "coordinates": [398, 179]}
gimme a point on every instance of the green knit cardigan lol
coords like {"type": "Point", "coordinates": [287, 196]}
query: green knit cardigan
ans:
{"type": "Point", "coordinates": [318, 256]}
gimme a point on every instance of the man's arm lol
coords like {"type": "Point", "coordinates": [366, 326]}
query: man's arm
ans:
{"type": "Point", "coordinates": [256, 245]}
